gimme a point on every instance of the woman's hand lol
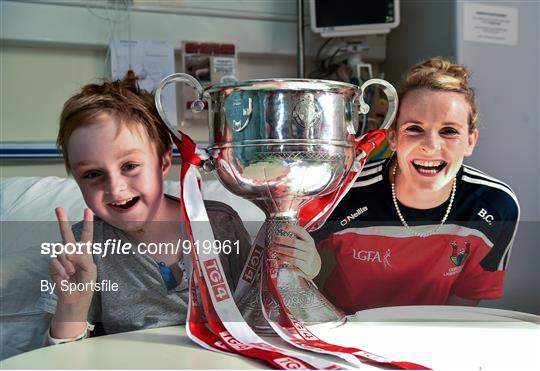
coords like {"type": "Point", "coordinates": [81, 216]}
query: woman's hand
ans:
{"type": "Point", "coordinates": [298, 251]}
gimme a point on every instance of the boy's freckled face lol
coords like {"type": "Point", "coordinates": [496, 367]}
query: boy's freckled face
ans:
{"type": "Point", "coordinates": [119, 173]}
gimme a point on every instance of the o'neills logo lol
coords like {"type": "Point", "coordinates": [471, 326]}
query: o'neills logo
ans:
{"type": "Point", "coordinates": [353, 216]}
{"type": "Point", "coordinates": [253, 264]}
{"type": "Point", "coordinates": [217, 281]}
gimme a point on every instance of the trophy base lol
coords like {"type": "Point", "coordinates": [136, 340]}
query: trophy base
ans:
{"type": "Point", "coordinates": [300, 295]}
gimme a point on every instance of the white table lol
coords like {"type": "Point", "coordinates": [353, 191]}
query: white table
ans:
{"type": "Point", "coordinates": [443, 338]}
{"type": "Point", "coordinates": [160, 348]}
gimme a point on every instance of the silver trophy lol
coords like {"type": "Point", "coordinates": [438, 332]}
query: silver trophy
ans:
{"type": "Point", "coordinates": [278, 143]}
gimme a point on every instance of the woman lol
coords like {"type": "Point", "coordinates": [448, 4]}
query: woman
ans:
{"type": "Point", "coordinates": [422, 228]}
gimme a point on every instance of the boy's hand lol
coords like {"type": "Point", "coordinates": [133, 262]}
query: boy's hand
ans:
{"type": "Point", "coordinates": [74, 268]}
{"type": "Point", "coordinates": [299, 251]}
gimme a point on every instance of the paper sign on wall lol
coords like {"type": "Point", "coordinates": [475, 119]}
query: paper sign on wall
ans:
{"type": "Point", "coordinates": [490, 24]}
{"type": "Point", "coordinates": [151, 61]}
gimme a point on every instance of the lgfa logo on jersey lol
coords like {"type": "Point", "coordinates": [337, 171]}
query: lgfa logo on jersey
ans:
{"type": "Point", "coordinates": [353, 216]}
{"type": "Point", "coordinates": [373, 256]}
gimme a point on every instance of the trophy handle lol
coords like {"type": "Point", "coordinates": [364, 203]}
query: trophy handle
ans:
{"type": "Point", "coordinates": [391, 96]}
{"type": "Point", "coordinates": [196, 106]}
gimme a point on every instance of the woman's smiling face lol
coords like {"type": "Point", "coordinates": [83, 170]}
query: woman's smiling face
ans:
{"type": "Point", "coordinates": [432, 137]}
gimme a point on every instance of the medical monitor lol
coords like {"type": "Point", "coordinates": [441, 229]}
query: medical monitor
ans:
{"type": "Point", "coordinates": [337, 18]}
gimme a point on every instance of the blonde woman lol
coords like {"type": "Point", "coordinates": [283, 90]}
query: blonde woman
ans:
{"type": "Point", "coordinates": [421, 227]}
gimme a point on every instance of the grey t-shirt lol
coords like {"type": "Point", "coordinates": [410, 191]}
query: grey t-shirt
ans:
{"type": "Point", "coordinates": [142, 300]}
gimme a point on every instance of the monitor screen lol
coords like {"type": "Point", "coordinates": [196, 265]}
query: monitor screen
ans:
{"type": "Point", "coordinates": [348, 18]}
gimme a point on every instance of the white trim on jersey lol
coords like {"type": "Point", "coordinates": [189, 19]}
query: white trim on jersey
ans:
{"type": "Point", "coordinates": [469, 167]}
{"type": "Point", "coordinates": [476, 172]}
{"type": "Point", "coordinates": [401, 232]}
{"type": "Point", "coordinates": [503, 188]}
{"type": "Point", "coordinates": [367, 182]}
{"type": "Point", "coordinates": [374, 164]}
{"type": "Point", "coordinates": [504, 259]}
{"type": "Point", "coordinates": [508, 191]}
{"type": "Point", "coordinates": [365, 172]}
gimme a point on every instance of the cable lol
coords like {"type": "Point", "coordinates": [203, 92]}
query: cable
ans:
{"type": "Point", "coordinates": [128, 8]}
{"type": "Point", "coordinates": [317, 56]}
{"type": "Point", "coordinates": [326, 66]}
{"type": "Point", "coordinates": [105, 6]}
{"type": "Point", "coordinates": [115, 13]}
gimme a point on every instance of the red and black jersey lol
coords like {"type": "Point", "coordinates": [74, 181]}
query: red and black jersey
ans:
{"type": "Point", "coordinates": [372, 260]}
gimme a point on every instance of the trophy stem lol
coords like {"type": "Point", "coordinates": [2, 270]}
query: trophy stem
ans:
{"type": "Point", "coordinates": [299, 294]}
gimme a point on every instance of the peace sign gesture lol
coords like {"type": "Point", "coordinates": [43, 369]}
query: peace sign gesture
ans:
{"type": "Point", "coordinates": [74, 268]}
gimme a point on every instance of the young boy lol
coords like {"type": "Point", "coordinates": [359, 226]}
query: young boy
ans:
{"type": "Point", "coordinates": [119, 152]}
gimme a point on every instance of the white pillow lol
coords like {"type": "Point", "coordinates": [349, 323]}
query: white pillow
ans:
{"type": "Point", "coordinates": [34, 198]}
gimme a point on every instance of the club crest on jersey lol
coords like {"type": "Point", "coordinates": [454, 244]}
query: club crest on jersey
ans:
{"type": "Point", "coordinates": [459, 254]}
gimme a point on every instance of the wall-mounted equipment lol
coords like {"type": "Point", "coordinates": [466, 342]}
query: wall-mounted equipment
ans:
{"type": "Point", "coordinates": [340, 18]}
{"type": "Point", "coordinates": [210, 63]}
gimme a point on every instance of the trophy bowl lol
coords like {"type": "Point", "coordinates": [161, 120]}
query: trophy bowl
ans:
{"type": "Point", "coordinates": [278, 143]}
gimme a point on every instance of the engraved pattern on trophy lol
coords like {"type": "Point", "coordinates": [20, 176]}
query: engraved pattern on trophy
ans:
{"type": "Point", "coordinates": [297, 155]}
{"type": "Point", "coordinates": [240, 112]}
{"type": "Point", "coordinates": [307, 112]}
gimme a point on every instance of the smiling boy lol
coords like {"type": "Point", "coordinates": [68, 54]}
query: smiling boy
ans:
{"type": "Point", "coordinates": [119, 153]}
